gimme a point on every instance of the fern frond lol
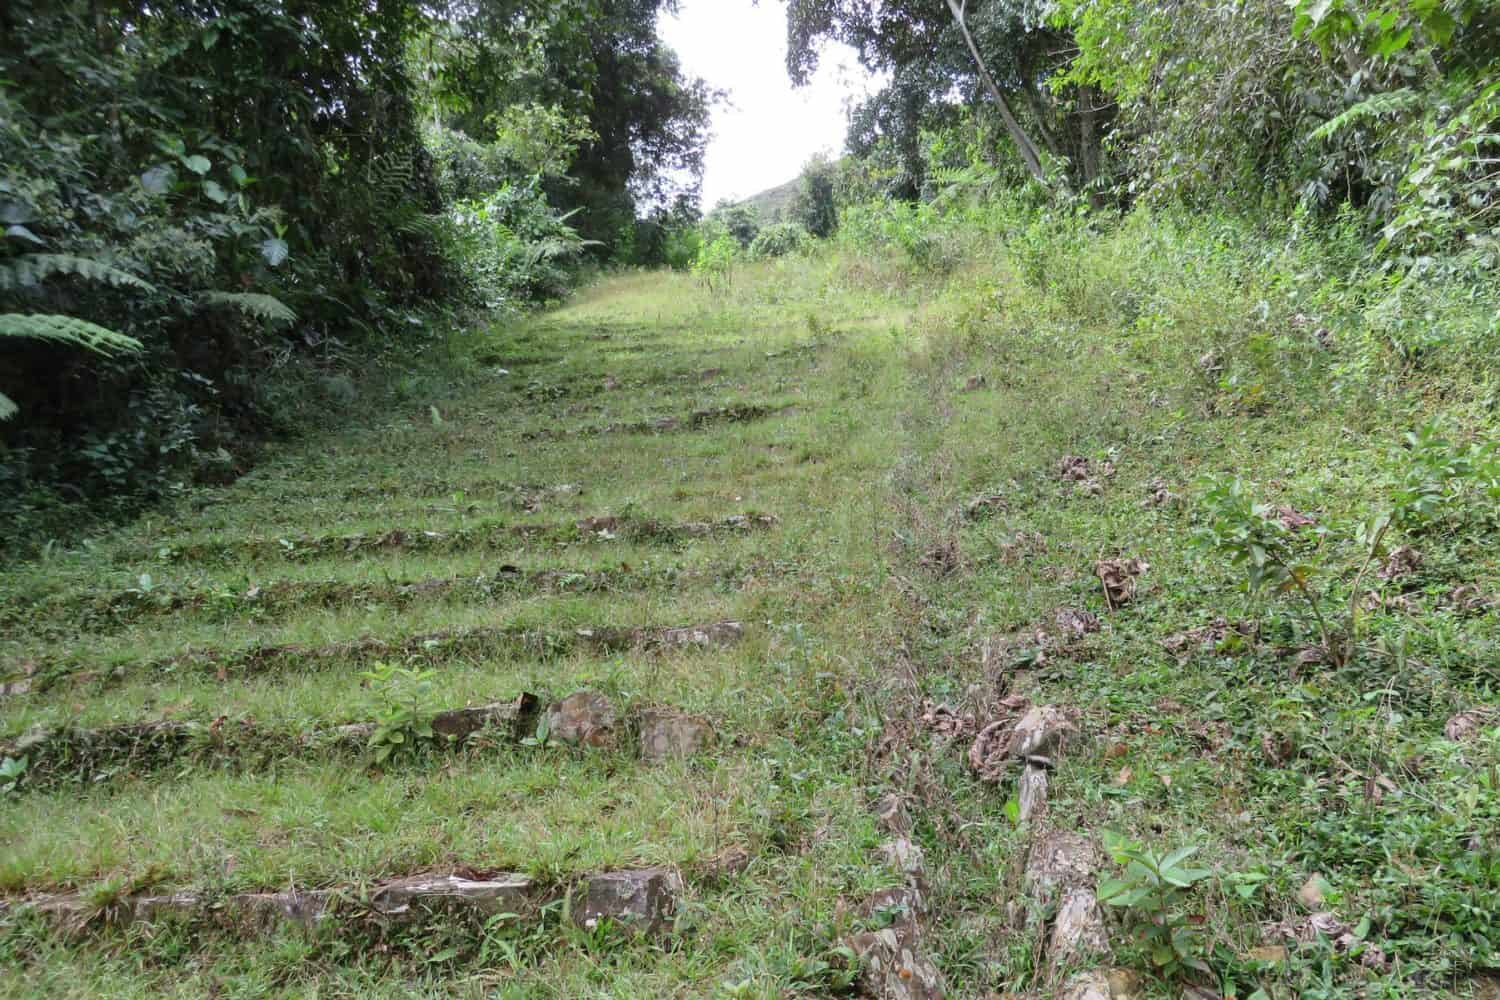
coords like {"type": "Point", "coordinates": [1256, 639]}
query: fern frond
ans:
{"type": "Point", "coordinates": [8, 408]}
{"type": "Point", "coordinates": [427, 226]}
{"type": "Point", "coordinates": [67, 330]}
{"type": "Point", "coordinates": [262, 307]}
{"type": "Point", "coordinates": [33, 268]}
{"type": "Point", "coordinates": [1376, 106]}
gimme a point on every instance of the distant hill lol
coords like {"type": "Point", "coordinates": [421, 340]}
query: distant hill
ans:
{"type": "Point", "coordinates": [772, 203]}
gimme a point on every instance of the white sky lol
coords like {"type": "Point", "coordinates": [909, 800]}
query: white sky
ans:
{"type": "Point", "coordinates": [768, 130]}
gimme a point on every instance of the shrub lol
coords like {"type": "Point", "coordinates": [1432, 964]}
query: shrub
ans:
{"type": "Point", "coordinates": [780, 239]}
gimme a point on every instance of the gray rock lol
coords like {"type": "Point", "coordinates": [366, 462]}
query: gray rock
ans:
{"type": "Point", "coordinates": [895, 965]}
{"type": "Point", "coordinates": [716, 634]}
{"type": "Point", "coordinates": [513, 717]}
{"type": "Point", "coordinates": [1059, 861]}
{"type": "Point", "coordinates": [645, 899]}
{"type": "Point", "coordinates": [665, 734]}
{"type": "Point", "coordinates": [1061, 870]}
{"type": "Point", "coordinates": [1087, 986]}
{"type": "Point", "coordinates": [894, 959]}
{"type": "Point", "coordinates": [891, 815]}
{"type": "Point", "coordinates": [305, 908]}
{"type": "Point", "coordinates": [1469, 724]}
{"type": "Point", "coordinates": [584, 717]}
{"type": "Point", "coordinates": [1041, 731]}
{"type": "Point", "coordinates": [905, 857]}
{"type": "Point", "coordinates": [1032, 792]}
{"type": "Point", "coordinates": [179, 904]}
{"type": "Point", "coordinates": [505, 894]}
{"type": "Point", "coordinates": [1078, 930]}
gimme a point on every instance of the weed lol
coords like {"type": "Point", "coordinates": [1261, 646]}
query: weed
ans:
{"type": "Point", "coordinates": [12, 773]}
{"type": "Point", "coordinates": [1154, 890]}
{"type": "Point", "coordinates": [403, 712]}
{"type": "Point", "coordinates": [1273, 546]}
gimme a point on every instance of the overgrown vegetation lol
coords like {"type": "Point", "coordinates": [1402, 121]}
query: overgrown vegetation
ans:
{"type": "Point", "coordinates": [1187, 436]}
{"type": "Point", "coordinates": [265, 199]}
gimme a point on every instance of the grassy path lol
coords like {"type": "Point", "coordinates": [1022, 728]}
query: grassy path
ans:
{"type": "Point", "coordinates": [798, 512]}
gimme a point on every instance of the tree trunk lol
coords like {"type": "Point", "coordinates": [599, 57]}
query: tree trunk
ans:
{"type": "Point", "coordinates": [1088, 137]}
{"type": "Point", "coordinates": [1039, 112]}
{"type": "Point", "coordinates": [1029, 153]}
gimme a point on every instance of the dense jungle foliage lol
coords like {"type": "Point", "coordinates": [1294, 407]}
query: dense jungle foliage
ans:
{"type": "Point", "coordinates": [218, 216]}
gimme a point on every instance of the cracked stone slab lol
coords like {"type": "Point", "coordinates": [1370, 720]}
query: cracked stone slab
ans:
{"type": "Point", "coordinates": [398, 899]}
{"type": "Point", "coordinates": [513, 717]}
{"type": "Point", "coordinates": [723, 633]}
{"type": "Point", "coordinates": [586, 718]}
{"type": "Point", "coordinates": [1078, 931]}
{"type": "Point", "coordinates": [894, 960]}
{"type": "Point", "coordinates": [1042, 731]}
{"type": "Point", "coordinates": [895, 965]}
{"type": "Point", "coordinates": [1031, 792]}
{"type": "Point", "coordinates": [1060, 860]}
{"type": "Point", "coordinates": [891, 815]}
{"type": "Point", "coordinates": [1087, 986]}
{"type": "Point", "coordinates": [1471, 723]}
{"type": "Point", "coordinates": [1062, 870]}
{"type": "Point", "coordinates": [646, 899]}
{"type": "Point", "coordinates": [665, 734]}
{"type": "Point", "coordinates": [503, 894]}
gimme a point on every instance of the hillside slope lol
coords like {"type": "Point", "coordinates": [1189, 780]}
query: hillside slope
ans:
{"type": "Point", "coordinates": [841, 629]}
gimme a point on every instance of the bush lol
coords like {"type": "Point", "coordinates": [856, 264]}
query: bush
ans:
{"type": "Point", "coordinates": [516, 249]}
{"type": "Point", "coordinates": [681, 247]}
{"type": "Point", "coordinates": [814, 205]}
{"type": "Point", "coordinates": [740, 221]}
{"type": "Point", "coordinates": [780, 239]}
{"type": "Point", "coordinates": [714, 264]}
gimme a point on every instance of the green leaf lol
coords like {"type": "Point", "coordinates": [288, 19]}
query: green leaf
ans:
{"type": "Point", "coordinates": [1178, 856]}
{"type": "Point", "coordinates": [274, 250]}
{"type": "Point", "coordinates": [159, 179]}
{"type": "Point", "coordinates": [1387, 45]}
{"type": "Point", "coordinates": [1116, 844]}
{"type": "Point", "coordinates": [16, 213]}
{"type": "Point", "coordinates": [261, 306]}
{"type": "Point", "coordinates": [214, 192]}
{"type": "Point", "coordinates": [197, 163]}
{"type": "Point", "coordinates": [20, 232]}
{"type": "Point", "coordinates": [8, 408]}
{"type": "Point", "coordinates": [31, 269]}
{"type": "Point", "coordinates": [1112, 889]}
{"type": "Point", "coordinates": [67, 330]}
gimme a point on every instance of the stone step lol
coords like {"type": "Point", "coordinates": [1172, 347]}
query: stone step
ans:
{"type": "Point", "coordinates": [68, 755]}
{"type": "Point", "coordinates": [435, 648]}
{"type": "Point", "coordinates": [102, 613]}
{"type": "Point", "coordinates": [645, 900]}
{"type": "Point", "coordinates": [484, 535]}
{"type": "Point", "coordinates": [696, 420]}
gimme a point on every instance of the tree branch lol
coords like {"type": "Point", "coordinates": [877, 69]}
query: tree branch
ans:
{"type": "Point", "coordinates": [1029, 153]}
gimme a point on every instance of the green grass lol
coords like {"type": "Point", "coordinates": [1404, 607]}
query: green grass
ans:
{"type": "Point", "coordinates": [873, 595]}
